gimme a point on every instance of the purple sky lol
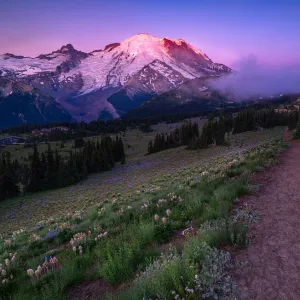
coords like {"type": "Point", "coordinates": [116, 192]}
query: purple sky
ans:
{"type": "Point", "coordinates": [226, 30]}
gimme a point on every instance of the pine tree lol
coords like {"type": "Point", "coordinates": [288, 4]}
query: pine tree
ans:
{"type": "Point", "coordinates": [35, 182]}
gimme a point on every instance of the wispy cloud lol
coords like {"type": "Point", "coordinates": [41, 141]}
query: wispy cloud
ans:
{"type": "Point", "coordinates": [254, 79]}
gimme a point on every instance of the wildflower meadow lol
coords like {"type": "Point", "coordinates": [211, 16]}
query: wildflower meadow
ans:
{"type": "Point", "coordinates": [155, 228]}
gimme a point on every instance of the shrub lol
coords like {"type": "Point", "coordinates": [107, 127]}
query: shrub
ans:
{"type": "Point", "coordinates": [163, 232]}
{"type": "Point", "coordinates": [121, 261]}
{"type": "Point", "coordinates": [196, 250]}
{"type": "Point", "coordinates": [168, 273]}
{"type": "Point", "coordinates": [213, 282]}
{"type": "Point", "coordinates": [238, 234]}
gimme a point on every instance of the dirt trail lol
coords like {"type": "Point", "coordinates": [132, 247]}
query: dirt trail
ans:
{"type": "Point", "coordinates": [273, 270]}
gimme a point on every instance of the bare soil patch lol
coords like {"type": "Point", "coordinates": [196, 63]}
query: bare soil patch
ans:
{"type": "Point", "coordinates": [90, 290]}
{"type": "Point", "coordinates": [273, 269]}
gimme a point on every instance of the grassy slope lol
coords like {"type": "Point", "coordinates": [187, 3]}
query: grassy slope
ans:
{"type": "Point", "coordinates": [29, 209]}
{"type": "Point", "coordinates": [131, 244]}
{"type": "Point", "coordinates": [141, 172]}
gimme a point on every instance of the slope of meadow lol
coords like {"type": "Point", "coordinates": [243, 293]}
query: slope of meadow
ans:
{"type": "Point", "coordinates": [114, 226]}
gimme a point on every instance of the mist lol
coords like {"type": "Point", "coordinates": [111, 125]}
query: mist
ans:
{"type": "Point", "coordinates": [252, 79]}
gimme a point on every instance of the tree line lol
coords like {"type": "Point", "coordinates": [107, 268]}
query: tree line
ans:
{"type": "Point", "coordinates": [49, 169]}
{"type": "Point", "coordinates": [251, 119]}
{"type": "Point", "coordinates": [84, 129]}
{"type": "Point", "coordinates": [215, 129]}
{"type": "Point", "coordinates": [176, 138]}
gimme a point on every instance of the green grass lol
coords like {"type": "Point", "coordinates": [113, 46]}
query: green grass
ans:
{"type": "Point", "coordinates": [203, 186]}
{"type": "Point", "coordinates": [166, 169]}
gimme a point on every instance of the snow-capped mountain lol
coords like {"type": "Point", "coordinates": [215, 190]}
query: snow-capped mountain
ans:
{"type": "Point", "coordinates": [109, 82]}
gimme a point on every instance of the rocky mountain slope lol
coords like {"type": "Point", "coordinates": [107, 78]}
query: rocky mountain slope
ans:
{"type": "Point", "coordinates": [108, 83]}
{"type": "Point", "coordinates": [193, 95]}
{"type": "Point", "coordinates": [21, 103]}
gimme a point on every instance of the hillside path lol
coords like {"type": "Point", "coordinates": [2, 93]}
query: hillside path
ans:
{"type": "Point", "coordinates": [273, 269]}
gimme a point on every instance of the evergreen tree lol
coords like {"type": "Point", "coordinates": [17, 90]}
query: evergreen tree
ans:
{"type": "Point", "coordinates": [35, 182]}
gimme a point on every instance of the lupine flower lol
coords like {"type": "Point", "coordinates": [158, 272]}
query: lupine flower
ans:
{"type": "Point", "coordinates": [3, 272]}
{"type": "Point", "coordinates": [4, 281]}
{"type": "Point", "coordinates": [164, 220]}
{"type": "Point", "coordinates": [30, 272]}
{"type": "Point", "coordinates": [37, 273]}
{"type": "Point", "coordinates": [7, 262]}
{"type": "Point", "coordinates": [96, 239]}
{"type": "Point", "coordinates": [80, 252]}
{"type": "Point", "coordinates": [11, 276]}
{"type": "Point", "coordinates": [156, 217]}
{"type": "Point", "coordinates": [80, 248]}
{"type": "Point", "coordinates": [105, 234]}
{"type": "Point", "coordinates": [168, 212]}
{"type": "Point", "coordinates": [74, 249]}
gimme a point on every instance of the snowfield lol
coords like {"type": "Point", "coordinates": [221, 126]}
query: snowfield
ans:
{"type": "Point", "coordinates": [30, 66]}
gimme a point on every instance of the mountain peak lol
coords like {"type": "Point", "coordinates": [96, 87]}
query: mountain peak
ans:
{"type": "Point", "coordinates": [145, 34]}
{"type": "Point", "coordinates": [172, 45]}
{"type": "Point", "coordinates": [67, 48]}
{"type": "Point", "coordinates": [142, 37]}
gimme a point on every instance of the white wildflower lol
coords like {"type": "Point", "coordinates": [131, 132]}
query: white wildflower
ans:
{"type": "Point", "coordinates": [7, 262]}
{"type": "Point", "coordinates": [164, 220]}
{"type": "Point", "coordinates": [30, 272]}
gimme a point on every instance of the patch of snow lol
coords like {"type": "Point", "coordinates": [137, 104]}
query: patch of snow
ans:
{"type": "Point", "coordinates": [30, 66]}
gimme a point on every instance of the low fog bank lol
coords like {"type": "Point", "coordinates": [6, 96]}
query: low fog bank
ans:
{"type": "Point", "coordinates": [252, 79]}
